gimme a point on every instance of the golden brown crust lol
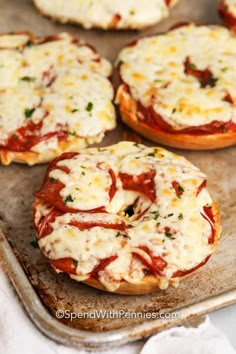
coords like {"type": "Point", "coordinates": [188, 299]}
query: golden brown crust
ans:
{"type": "Point", "coordinates": [128, 110]}
{"type": "Point", "coordinates": [150, 283]}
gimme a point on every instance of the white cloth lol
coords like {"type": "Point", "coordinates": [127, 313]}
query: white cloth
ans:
{"type": "Point", "coordinates": [19, 336]}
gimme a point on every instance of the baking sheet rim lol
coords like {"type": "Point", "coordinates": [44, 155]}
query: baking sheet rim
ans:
{"type": "Point", "coordinates": [92, 340]}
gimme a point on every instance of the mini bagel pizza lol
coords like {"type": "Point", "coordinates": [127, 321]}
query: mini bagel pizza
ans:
{"type": "Point", "coordinates": [55, 96]}
{"type": "Point", "coordinates": [127, 218]}
{"type": "Point", "coordinates": [105, 14]}
{"type": "Point", "coordinates": [179, 88]}
{"type": "Point", "coordinates": [227, 10]}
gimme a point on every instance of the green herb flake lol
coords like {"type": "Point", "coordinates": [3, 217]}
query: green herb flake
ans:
{"type": "Point", "coordinates": [51, 179]}
{"type": "Point", "coordinates": [120, 62]}
{"type": "Point", "coordinates": [132, 12]}
{"type": "Point", "coordinates": [15, 136]}
{"type": "Point", "coordinates": [211, 82]}
{"type": "Point", "coordinates": [209, 206]}
{"type": "Point", "coordinates": [73, 133]}
{"type": "Point", "coordinates": [74, 110]}
{"type": "Point", "coordinates": [155, 214]}
{"type": "Point", "coordinates": [81, 166]}
{"type": "Point", "coordinates": [168, 234]}
{"type": "Point", "coordinates": [29, 43]}
{"type": "Point", "coordinates": [83, 173]}
{"type": "Point", "coordinates": [27, 79]}
{"type": "Point", "coordinates": [136, 144]}
{"type": "Point", "coordinates": [151, 154]}
{"type": "Point", "coordinates": [180, 216]}
{"type": "Point", "coordinates": [193, 66]}
{"type": "Point", "coordinates": [224, 69]}
{"type": "Point", "coordinates": [75, 262]}
{"type": "Point", "coordinates": [169, 215]}
{"type": "Point", "coordinates": [158, 224]}
{"type": "Point", "coordinates": [174, 110]}
{"type": "Point", "coordinates": [69, 199]}
{"type": "Point", "coordinates": [29, 112]}
{"type": "Point", "coordinates": [34, 244]}
{"type": "Point", "coordinates": [223, 130]}
{"type": "Point", "coordinates": [89, 107]}
{"type": "Point", "coordinates": [119, 234]}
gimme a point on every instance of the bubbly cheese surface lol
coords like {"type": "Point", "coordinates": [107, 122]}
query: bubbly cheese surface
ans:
{"type": "Point", "coordinates": [173, 227]}
{"type": "Point", "coordinates": [106, 13]}
{"type": "Point", "coordinates": [154, 70]}
{"type": "Point", "coordinates": [60, 82]}
{"type": "Point", "coordinates": [231, 5]}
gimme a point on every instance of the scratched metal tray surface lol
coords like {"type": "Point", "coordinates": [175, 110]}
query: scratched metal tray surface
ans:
{"type": "Point", "coordinates": [43, 292]}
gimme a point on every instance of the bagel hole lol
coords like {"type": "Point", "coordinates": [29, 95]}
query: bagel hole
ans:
{"type": "Point", "coordinates": [129, 211]}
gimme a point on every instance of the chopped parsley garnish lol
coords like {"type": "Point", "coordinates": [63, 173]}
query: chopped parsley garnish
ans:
{"type": "Point", "coordinates": [192, 66]}
{"type": "Point", "coordinates": [75, 263]}
{"type": "Point", "coordinates": [136, 144]}
{"type": "Point", "coordinates": [156, 214]}
{"type": "Point", "coordinates": [180, 188]}
{"type": "Point", "coordinates": [210, 82]}
{"type": "Point", "coordinates": [81, 166]}
{"type": "Point", "coordinates": [34, 244]}
{"type": "Point", "coordinates": [74, 110]}
{"type": "Point", "coordinates": [208, 206]}
{"type": "Point", "coordinates": [151, 154]}
{"type": "Point", "coordinates": [73, 133]}
{"type": "Point", "coordinates": [158, 224]}
{"type": "Point", "coordinates": [83, 173]}
{"type": "Point", "coordinates": [180, 217]}
{"type": "Point", "coordinates": [174, 110]}
{"type": "Point", "coordinates": [168, 234]}
{"type": "Point", "coordinates": [89, 107]}
{"type": "Point", "coordinates": [27, 78]}
{"type": "Point", "coordinates": [132, 12]}
{"type": "Point", "coordinates": [69, 199]}
{"type": "Point", "coordinates": [224, 69]}
{"type": "Point", "coordinates": [170, 215]}
{"type": "Point", "coordinates": [224, 130]}
{"type": "Point", "coordinates": [119, 234]}
{"type": "Point", "coordinates": [15, 136]}
{"type": "Point", "coordinates": [29, 43]}
{"type": "Point", "coordinates": [51, 179]}
{"type": "Point", "coordinates": [120, 62]}
{"type": "Point", "coordinates": [29, 112]}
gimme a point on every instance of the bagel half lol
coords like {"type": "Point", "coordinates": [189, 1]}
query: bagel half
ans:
{"type": "Point", "coordinates": [56, 96]}
{"type": "Point", "coordinates": [107, 14]}
{"type": "Point", "coordinates": [177, 91]}
{"type": "Point", "coordinates": [127, 218]}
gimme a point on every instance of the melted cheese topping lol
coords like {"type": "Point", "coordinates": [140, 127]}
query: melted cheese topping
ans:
{"type": "Point", "coordinates": [171, 227]}
{"type": "Point", "coordinates": [231, 5]}
{"type": "Point", "coordinates": [154, 70]}
{"type": "Point", "coordinates": [63, 83]}
{"type": "Point", "coordinates": [108, 13]}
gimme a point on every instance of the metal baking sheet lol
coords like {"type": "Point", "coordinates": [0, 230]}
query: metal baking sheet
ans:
{"type": "Point", "coordinates": [42, 291]}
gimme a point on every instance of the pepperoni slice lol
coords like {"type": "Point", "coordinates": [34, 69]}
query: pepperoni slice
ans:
{"type": "Point", "coordinates": [148, 116]}
{"type": "Point", "coordinates": [43, 227]}
{"type": "Point", "coordinates": [90, 224]}
{"type": "Point", "coordinates": [29, 135]}
{"type": "Point", "coordinates": [227, 16]}
{"type": "Point", "coordinates": [66, 265]}
{"type": "Point", "coordinates": [178, 188]}
{"type": "Point", "coordinates": [158, 263]}
{"type": "Point", "coordinates": [143, 183]}
{"type": "Point", "coordinates": [181, 273]}
{"type": "Point", "coordinates": [50, 191]}
{"type": "Point", "coordinates": [210, 218]}
{"type": "Point", "coordinates": [201, 187]}
{"type": "Point", "coordinates": [103, 263]}
{"type": "Point", "coordinates": [205, 77]}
